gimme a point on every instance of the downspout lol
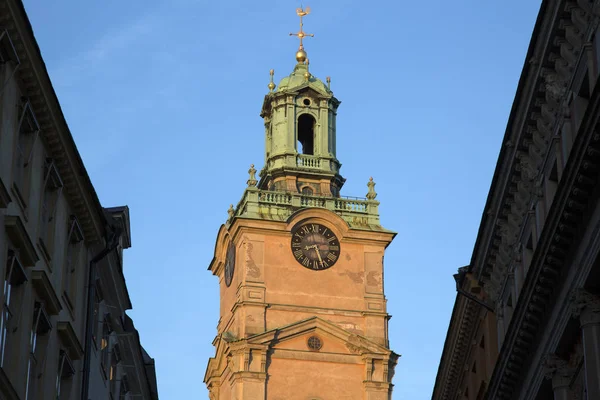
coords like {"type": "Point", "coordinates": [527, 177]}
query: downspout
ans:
{"type": "Point", "coordinates": [111, 243]}
{"type": "Point", "coordinates": [459, 278]}
{"type": "Point", "coordinates": [475, 299]}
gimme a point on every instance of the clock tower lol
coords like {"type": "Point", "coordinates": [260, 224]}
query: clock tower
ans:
{"type": "Point", "coordinates": [300, 267]}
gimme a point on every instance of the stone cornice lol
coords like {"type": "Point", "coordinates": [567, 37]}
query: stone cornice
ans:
{"type": "Point", "coordinates": [560, 234]}
{"type": "Point", "coordinates": [55, 132]}
{"type": "Point", "coordinates": [531, 125]}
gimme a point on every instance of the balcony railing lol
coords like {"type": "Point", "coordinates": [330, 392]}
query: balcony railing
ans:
{"type": "Point", "coordinates": [307, 161]}
{"type": "Point", "coordinates": [279, 205]}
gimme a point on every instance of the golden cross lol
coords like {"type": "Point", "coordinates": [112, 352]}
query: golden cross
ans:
{"type": "Point", "coordinates": [302, 13]}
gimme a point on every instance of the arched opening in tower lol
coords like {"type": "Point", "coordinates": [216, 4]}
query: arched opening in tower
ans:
{"type": "Point", "coordinates": [306, 134]}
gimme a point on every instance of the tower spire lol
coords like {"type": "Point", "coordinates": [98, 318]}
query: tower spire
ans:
{"type": "Point", "coordinates": [301, 54]}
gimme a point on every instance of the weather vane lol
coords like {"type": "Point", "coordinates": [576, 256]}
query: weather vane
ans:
{"type": "Point", "coordinates": [301, 54]}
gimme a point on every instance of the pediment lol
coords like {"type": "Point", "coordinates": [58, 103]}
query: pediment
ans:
{"type": "Point", "coordinates": [216, 363]}
{"type": "Point", "coordinates": [333, 338]}
{"type": "Point", "coordinates": [220, 248]}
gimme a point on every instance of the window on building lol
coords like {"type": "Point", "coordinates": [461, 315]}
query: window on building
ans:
{"type": "Point", "coordinates": [52, 189]}
{"type": "Point", "coordinates": [37, 347]}
{"type": "Point", "coordinates": [124, 389]}
{"type": "Point", "coordinates": [7, 49]}
{"type": "Point", "coordinates": [97, 319]}
{"type": "Point", "coordinates": [105, 344]}
{"type": "Point", "coordinates": [307, 190]}
{"type": "Point", "coordinates": [64, 376]}
{"type": "Point", "coordinates": [580, 100]}
{"type": "Point", "coordinates": [9, 61]}
{"type": "Point", "coordinates": [551, 184]}
{"type": "Point", "coordinates": [508, 310]}
{"type": "Point", "coordinates": [115, 359]}
{"type": "Point", "coordinates": [306, 134]}
{"type": "Point", "coordinates": [28, 131]}
{"type": "Point", "coordinates": [481, 391]}
{"type": "Point", "coordinates": [14, 277]}
{"type": "Point", "coordinates": [528, 254]}
{"type": "Point", "coordinates": [566, 141]}
{"type": "Point", "coordinates": [72, 261]}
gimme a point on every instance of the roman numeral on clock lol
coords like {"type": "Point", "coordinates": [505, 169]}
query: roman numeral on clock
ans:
{"type": "Point", "coordinates": [298, 253]}
{"type": "Point", "coordinates": [332, 257]}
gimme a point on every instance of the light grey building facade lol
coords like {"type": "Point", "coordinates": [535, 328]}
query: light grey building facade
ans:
{"type": "Point", "coordinates": [64, 331]}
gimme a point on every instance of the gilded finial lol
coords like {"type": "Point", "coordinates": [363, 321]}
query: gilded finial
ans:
{"type": "Point", "coordinates": [271, 84]}
{"type": "Point", "coordinates": [328, 82]}
{"type": "Point", "coordinates": [307, 73]}
{"type": "Point", "coordinates": [301, 54]}
{"type": "Point", "coordinates": [230, 211]}
{"type": "Point", "coordinates": [371, 194]}
{"type": "Point", "coordinates": [252, 179]}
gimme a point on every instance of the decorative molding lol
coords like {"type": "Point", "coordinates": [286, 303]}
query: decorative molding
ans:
{"type": "Point", "coordinates": [69, 338]}
{"type": "Point", "coordinates": [46, 291]}
{"type": "Point", "coordinates": [20, 238]}
{"type": "Point", "coordinates": [586, 306]}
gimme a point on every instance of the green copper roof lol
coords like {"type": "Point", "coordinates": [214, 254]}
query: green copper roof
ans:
{"type": "Point", "coordinates": [297, 79]}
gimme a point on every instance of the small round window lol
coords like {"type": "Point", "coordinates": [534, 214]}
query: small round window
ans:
{"type": "Point", "coordinates": [314, 343]}
{"type": "Point", "coordinates": [306, 102]}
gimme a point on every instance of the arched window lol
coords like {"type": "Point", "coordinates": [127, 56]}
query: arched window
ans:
{"type": "Point", "coordinates": [307, 190]}
{"type": "Point", "coordinates": [306, 134]}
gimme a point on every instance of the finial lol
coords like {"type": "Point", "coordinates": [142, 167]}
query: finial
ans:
{"type": "Point", "coordinates": [230, 211]}
{"type": "Point", "coordinates": [301, 54]}
{"type": "Point", "coordinates": [371, 195]}
{"type": "Point", "coordinates": [271, 84]}
{"type": "Point", "coordinates": [252, 180]}
{"type": "Point", "coordinates": [329, 82]}
{"type": "Point", "coordinates": [307, 73]}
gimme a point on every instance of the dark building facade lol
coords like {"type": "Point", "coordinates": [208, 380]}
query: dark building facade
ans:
{"type": "Point", "coordinates": [526, 321]}
{"type": "Point", "coordinates": [64, 330]}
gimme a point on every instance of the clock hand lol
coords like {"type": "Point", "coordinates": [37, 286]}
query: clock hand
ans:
{"type": "Point", "coordinates": [319, 255]}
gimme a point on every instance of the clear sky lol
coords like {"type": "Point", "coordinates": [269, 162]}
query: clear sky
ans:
{"type": "Point", "coordinates": [163, 98]}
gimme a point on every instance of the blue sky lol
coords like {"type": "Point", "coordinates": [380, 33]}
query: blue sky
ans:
{"type": "Point", "coordinates": [163, 99]}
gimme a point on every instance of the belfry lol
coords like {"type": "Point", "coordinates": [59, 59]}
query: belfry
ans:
{"type": "Point", "coordinates": [303, 313]}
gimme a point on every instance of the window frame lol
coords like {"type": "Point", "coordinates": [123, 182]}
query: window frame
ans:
{"type": "Point", "coordinates": [51, 191]}
{"type": "Point", "coordinates": [24, 148]}
{"type": "Point", "coordinates": [71, 260]}
{"type": "Point", "coordinates": [40, 326]}
{"type": "Point", "coordinates": [63, 374]}
{"type": "Point", "coordinates": [12, 264]}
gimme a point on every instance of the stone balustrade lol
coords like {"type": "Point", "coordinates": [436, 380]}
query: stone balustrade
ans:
{"type": "Point", "coordinates": [307, 161]}
{"type": "Point", "coordinates": [257, 203]}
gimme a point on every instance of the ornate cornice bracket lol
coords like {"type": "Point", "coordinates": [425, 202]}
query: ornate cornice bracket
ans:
{"type": "Point", "coordinates": [586, 306]}
{"type": "Point", "coordinates": [558, 370]}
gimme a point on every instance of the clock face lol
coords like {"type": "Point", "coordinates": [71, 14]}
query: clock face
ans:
{"type": "Point", "coordinates": [229, 263]}
{"type": "Point", "coordinates": [315, 246]}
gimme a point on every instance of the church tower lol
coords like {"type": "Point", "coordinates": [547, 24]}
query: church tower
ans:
{"type": "Point", "coordinates": [300, 267]}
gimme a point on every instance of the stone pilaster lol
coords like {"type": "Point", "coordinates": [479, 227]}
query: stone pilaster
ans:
{"type": "Point", "coordinates": [586, 306]}
{"type": "Point", "coordinates": [248, 367]}
{"type": "Point", "coordinates": [379, 373]}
